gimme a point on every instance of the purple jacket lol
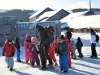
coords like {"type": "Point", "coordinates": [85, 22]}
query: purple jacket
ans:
{"type": "Point", "coordinates": [32, 48]}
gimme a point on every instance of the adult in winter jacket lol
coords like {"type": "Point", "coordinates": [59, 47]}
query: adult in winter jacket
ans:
{"type": "Point", "coordinates": [17, 45]}
{"type": "Point", "coordinates": [68, 33]}
{"type": "Point", "coordinates": [33, 52]}
{"type": "Point", "coordinates": [9, 51]}
{"type": "Point", "coordinates": [27, 43]}
{"type": "Point", "coordinates": [44, 46]}
{"type": "Point", "coordinates": [79, 45]}
{"type": "Point", "coordinates": [93, 44]}
{"type": "Point", "coordinates": [62, 50]}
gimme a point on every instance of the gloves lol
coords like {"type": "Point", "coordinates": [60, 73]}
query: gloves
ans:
{"type": "Point", "coordinates": [13, 54]}
{"type": "Point", "coordinates": [38, 52]}
{"type": "Point", "coordinates": [3, 54]}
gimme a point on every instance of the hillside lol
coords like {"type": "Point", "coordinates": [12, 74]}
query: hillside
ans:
{"type": "Point", "coordinates": [22, 15]}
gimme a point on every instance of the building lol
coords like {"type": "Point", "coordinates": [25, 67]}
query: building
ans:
{"type": "Point", "coordinates": [10, 27]}
{"type": "Point", "coordinates": [39, 13]}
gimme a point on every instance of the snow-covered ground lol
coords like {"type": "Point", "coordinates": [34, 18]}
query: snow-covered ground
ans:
{"type": "Point", "coordinates": [84, 66]}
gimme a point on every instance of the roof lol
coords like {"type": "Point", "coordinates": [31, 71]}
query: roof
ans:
{"type": "Point", "coordinates": [47, 14]}
{"type": "Point", "coordinates": [72, 15]}
{"type": "Point", "coordinates": [40, 11]}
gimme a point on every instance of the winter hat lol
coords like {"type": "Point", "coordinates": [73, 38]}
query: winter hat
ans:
{"type": "Point", "coordinates": [34, 40]}
{"type": "Point", "coordinates": [7, 38]}
{"type": "Point", "coordinates": [27, 36]}
{"type": "Point", "coordinates": [62, 37]}
{"type": "Point", "coordinates": [92, 30]}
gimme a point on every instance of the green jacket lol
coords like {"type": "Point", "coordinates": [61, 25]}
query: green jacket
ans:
{"type": "Point", "coordinates": [62, 49]}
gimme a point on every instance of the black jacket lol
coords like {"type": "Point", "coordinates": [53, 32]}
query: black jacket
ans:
{"type": "Point", "coordinates": [17, 44]}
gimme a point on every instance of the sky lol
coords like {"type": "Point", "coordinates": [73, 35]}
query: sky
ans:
{"type": "Point", "coordinates": [54, 4]}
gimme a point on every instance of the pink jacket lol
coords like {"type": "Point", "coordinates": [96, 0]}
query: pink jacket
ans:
{"type": "Point", "coordinates": [26, 45]}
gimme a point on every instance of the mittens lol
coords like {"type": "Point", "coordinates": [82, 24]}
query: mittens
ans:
{"type": "Point", "coordinates": [13, 54]}
{"type": "Point", "coordinates": [3, 54]}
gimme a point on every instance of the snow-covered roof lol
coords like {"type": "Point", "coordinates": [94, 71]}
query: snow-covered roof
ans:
{"type": "Point", "coordinates": [72, 15]}
{"type": "Point", "coordinates": [48, 14]}
{"type": "Point", "coordinates": [85, 22]}
{"type": "Point", "coordinates": [78, 20]}
{"type": "Point", "coordinates": [38, 12]}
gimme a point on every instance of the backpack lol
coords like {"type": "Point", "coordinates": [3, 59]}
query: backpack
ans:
{"type": "Point", "coordinates": [97, 38]}
{"type": "Point", "coordinates": [49, 32]}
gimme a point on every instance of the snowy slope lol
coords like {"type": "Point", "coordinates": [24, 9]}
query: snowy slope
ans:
{"type": "Point", "coordinates": [84, 66]}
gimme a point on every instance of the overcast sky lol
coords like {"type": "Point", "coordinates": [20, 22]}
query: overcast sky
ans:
{"type": "Point", "coordinates": [54, 4]}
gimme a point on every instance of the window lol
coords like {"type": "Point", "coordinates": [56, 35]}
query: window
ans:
{"type": "Point", "coordinates": [8, 34]}
{"type": "Point", "coordinates": [32, 34]}
{"type": "Point", "coordinates": [1, 35]}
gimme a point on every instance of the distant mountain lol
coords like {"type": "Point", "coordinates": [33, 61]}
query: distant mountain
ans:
{"type": "Point", "coordinates": [3, 10]}
{"type": "Point", "coordinates": [22, 15]}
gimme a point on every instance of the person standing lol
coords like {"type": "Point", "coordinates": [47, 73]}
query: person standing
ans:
{"type": "Point", "coordinates": [79, 45]}
{"type": "Point", "coordinates": [17, 45]}
{"type": "Point", "coordinates": [52, 52]}
{"type": "Point", "coordinates": [68, 34]}
{"type": "Point", "coordinates": [46, 36]}
{"type": "Point", "coordinates": [69, 51]}
{"type": "Point", "coordinates": [73, 54]}
{"type": "Point", "coordinates": [33, 49]}
{"type": "Point", "coordinates": [62, 50]}
{"type": "Point", "coordinates": [27, 43]}
{"type": "Point", "coordinates": [9, 51]}
{"type": "Point", "coordinates": [93, 44]}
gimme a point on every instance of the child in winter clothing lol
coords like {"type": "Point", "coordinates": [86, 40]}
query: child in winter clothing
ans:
{"type": "Point", "coordinates": [52, 52]}
{"type": "Point", "coordinates": [73, 55]}
{"type": "Point", "coordinates": [62, 50]}
{"type": "Point", "coordinates": [9, 51]}
{"type": "Point", "coordinates": [27, 43]}
{"type": "Point", "coordinates": [33, 52]}
{"type": "Point", "coordinates": [79, 45]}
{"type": "Point", "coordinates": [17, 45]}
{"type": "Point", "coordinates": [69, 51]}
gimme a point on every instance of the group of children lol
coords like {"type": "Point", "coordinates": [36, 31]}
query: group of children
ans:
{"type": "Point", "coordinates": [64, 47]}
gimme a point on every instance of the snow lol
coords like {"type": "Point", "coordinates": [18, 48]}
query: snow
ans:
{"type": "Point", "coordinates": [84, 66]}
{"type": "Point", "coordinates": [78, 20]}
{"type": "Point", "coordinates": [48, 14]}
{"type": "Point", "coordinates": [38, 12]}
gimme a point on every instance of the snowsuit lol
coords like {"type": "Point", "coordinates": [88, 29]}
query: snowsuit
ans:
{"type": "Point", "coordinates": [17, 45]}
{"type": "Point", "coordinates": [79, 45]}
{"type": "Point", "coordinates": [69, 51]}
{"type": "Point", "coordinates": [52, 51]}
{"type": "Point", "coordinates": [62, 50]}
{"type": "Point", "coordinates": [33, 54]}
{"type": "Point", "coordinates": [9, 51]}
{"type": "Point", "coordinates": [73, 48]}
{"type": "Point", "coordinates": [27, 43]}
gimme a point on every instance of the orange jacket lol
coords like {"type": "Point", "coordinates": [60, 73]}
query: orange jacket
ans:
{"type": "Point", "coordinates": [8, 50]}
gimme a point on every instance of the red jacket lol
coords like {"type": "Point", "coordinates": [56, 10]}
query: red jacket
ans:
{"type": "Point", "coordinates": [8, 50]}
